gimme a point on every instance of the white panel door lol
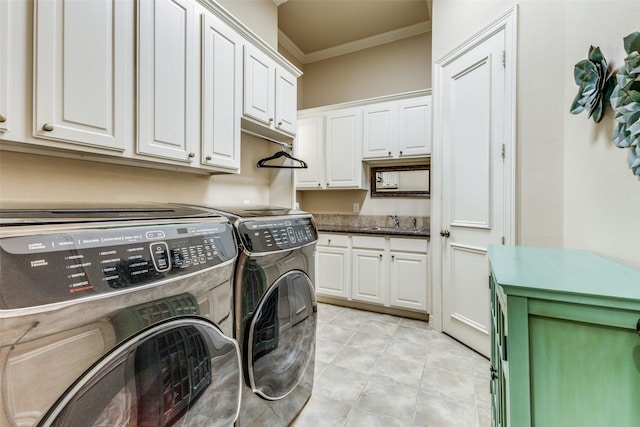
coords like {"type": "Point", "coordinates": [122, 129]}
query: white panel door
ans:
{"type": "Point", "coordinates": [344, 148]}
{"type": "Point", "coordinates": [168, 79]}
{"type": "Point", "coordinates": [221, 94]}
{"type": "Point", "coordinates": [368, 276]}
{"type": "Point", "coordinates": [259, 83]}
{"type": "Point", "coordinates": [309, 146]}
{"type": "Point", "coordinates": [286, 101]}
{"type": "Point", "coordinates": [332, 272]}
{"type": "Point", "coordinates": [473, 127]}
{"type": "Point", "coordinates": [79, 71]}
{"type": "Point", "coordinates": [408, 279]}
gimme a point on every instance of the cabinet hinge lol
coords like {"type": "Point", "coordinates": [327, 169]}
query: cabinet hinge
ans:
{"type": "Point", "coordinates": [503, 150]}
{"type": "Point", "coordinates": [503, 240]}
{"type": "Point", "coordinates": [504, 59]}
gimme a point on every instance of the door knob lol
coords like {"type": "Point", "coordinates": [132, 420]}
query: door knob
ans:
{"type": "Point", "coordinates": [445, 233]}
{"type": "Point", "coordinates": [47, 127]}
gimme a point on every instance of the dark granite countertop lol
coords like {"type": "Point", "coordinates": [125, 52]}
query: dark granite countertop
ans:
{"type": "Point", "coordinates": [379, 231]}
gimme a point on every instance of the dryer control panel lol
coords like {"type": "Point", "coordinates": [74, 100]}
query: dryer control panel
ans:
{"type": "Point", "coordinates": [59, 266]}
{"type": "Point", "coordinates": [276, 234]}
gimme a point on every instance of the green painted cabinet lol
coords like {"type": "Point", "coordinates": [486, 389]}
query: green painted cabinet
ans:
{"type": "Point", "coordinates": [565, 342]}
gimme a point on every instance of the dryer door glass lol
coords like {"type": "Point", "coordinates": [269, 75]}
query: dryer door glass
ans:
{"type": "Point", "coordinates": [282, 336]}
{"type": "Point", "coordinates": [180, 372]}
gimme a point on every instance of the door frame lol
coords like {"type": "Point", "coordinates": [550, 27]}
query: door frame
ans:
{"type": "Point", "coordinates": [506, 22]}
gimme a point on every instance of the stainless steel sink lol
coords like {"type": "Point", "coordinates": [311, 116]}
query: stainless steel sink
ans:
{"type": "Point", "coordinates": [392, 229]}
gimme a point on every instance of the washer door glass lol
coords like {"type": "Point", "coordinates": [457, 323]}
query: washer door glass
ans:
{"type": "Point", "coordinates": [282, 335]}
{"type": "Point", "coordinates": [180, 372]}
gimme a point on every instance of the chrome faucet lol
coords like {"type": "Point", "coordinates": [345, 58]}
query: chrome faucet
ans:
{"type": "Point", "coordinates": [396, 220]}
{"type": "Point", "coordinates": [414, 221]}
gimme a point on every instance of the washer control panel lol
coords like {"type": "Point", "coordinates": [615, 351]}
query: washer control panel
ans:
{"type": "Point", "coordinates": [281, 233]}
{"type": "Point", "coordinates": [60, 266]}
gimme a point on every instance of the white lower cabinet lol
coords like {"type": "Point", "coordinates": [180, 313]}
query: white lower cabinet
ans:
{"type": "Point", "coordinates": [386, 271]}
{"type": "Point", "coordinates": [369, 269]}
{"type": "Point", "coordinates": [333, 265]}
{"type": "Point", "coordinates": [408, 270]}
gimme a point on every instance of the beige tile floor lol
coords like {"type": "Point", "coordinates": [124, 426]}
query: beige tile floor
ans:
{"type": "Point", "coordinates": [380, 370]}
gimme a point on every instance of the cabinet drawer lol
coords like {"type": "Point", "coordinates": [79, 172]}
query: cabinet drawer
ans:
{"type": "Point", "coordinates": [408, 245]}
{"type": "Point", "coordinates": [368, 242]}
{"type": "Point", "coordinates": [338, 240]}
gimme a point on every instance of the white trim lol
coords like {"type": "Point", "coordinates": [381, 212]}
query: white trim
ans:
{"type": "Point", "coordinates": [507, 22]}
{"type": "Point", "coordinates": [354, 46]}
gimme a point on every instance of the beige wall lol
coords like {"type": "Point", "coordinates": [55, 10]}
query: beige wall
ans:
{"type": "Point", "coordinates": [396, 67]}
{"type": "Point", "coordinates": [573, 186]}
{"type": "Point", "coordinates": [43, 178]}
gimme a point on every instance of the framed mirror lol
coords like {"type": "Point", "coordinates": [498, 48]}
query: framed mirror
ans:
{"type": "Point", "coordinates": [400, 181]}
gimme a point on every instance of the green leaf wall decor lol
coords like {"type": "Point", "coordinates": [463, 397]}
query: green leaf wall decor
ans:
{"type": "Point", "coordinates": [625, 101]}
{"type": "Point", "coordinates": [595, 85]}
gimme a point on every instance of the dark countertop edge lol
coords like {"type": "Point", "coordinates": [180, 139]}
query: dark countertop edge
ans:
{"type": "Point", "coordinates": [330, 228]}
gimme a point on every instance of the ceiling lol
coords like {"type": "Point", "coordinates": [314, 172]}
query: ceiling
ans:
{"type": "Point", "coordinates": [313, 30]}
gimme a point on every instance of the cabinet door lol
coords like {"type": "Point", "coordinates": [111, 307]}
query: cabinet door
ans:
{"type": "Point", "coordinates": [408, 280]}
{"type": "Point", "coordinates": [221, 94]}
{"type": "Point", "coordinates": [309, 146]}
{"type": "Point", "coordinates": [332, 271]}
{"type": "Point", "coordinates": [79, 71]}
{"type": "Point", "coordinates": [168, 80]}
{"type": "Point", "coordinates": [368, 276]}
{"type": "Point", "coordinates": [259, 82]}
{"type": "Point", "coordinates": [286, 101]}
{"type": "Point", "coordinates": [378, 139]}
{"type": "Point", "coordinates": [4, 65]}
{"type": "Point", "coordinates": [414, 136]}
{"type": "Point", "coordinates": [344, 149]}
{"type": "Point", "coordinates": [586, 365]}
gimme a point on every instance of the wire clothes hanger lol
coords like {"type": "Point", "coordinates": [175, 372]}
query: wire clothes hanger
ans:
{"type": "Point", "coordinates": [262, 163]}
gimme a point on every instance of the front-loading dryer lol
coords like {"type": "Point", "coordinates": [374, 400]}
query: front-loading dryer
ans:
{"type": "Point", "coordinates": [117, 316]}
{"type": "Point", "coordinates": [275, 311]}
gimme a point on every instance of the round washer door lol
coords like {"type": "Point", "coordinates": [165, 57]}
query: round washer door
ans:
{"type": "Point", "coordinates": [183, 371]}
{"type": "Point", "coordinates": [282, 336]}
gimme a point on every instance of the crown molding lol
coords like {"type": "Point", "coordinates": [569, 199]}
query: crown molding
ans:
{"type": "Point", "coordinates": [354, 46]}
{"type": "Point", "coordinates": [279, 2]}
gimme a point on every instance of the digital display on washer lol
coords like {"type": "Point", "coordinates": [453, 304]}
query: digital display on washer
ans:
{"type": "Point", "coordinates": [48, 268]}
{"type": "Point", "coordinates": [267, 235]}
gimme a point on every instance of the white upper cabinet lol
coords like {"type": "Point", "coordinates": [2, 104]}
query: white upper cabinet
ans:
{"type": "Point", "coordinates": [79, 71]}
{"type": "Point", "coordinates": [331, 144]}
{"type": "Point", "coordinates": [310, 147]}
{"type": "Point", "coordinates": [414, 131]}
{"type": "Point", "coordinates": [286, 101]}
{"type": "Point", "coordinates": [259, 86]}
{"type": "Point", "coordinates": [270, 92]}
{"type": "Point", "coordinates": [397, 129]}
{"type": "Point", "coordinates": [221, 94]}
{"type": "Point", "coordinates": [168, 79]}
{"type": "Point", "coordinates": [344, 149]}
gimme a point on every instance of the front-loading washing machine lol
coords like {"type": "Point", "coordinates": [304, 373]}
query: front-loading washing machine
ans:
{"type": "Point", "coordinates": [117, 316]}
{"type": "Point", "coordinates": [275, 311]}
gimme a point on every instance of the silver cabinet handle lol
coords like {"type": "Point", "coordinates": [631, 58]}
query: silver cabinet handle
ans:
{"type": "Point", "coordinates": [208, 158]}
{"type": "Point", "coordinates": [3, 118]}
{"type": "Point", "coordinates": [192, 155]}
{"type": "Point", "coordinates": [401, 153]}
{"type": "Point", "coordinates": [47, 127]}
{"type": "Point", "coordinates": [270, 119]}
